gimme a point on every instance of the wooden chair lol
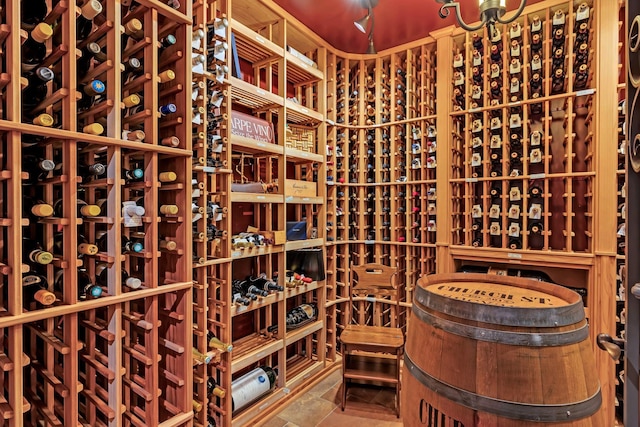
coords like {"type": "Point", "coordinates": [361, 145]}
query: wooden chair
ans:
{"type": "Point", "coordinates": [368, 350]}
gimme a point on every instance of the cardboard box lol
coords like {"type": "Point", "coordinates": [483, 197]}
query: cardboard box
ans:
{"type": "Point", "coordinates": [278, 236]}
{"type": "Point", "coordinates": [297, 188]}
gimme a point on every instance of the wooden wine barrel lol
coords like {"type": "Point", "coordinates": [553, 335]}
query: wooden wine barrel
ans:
{"type": "Point", "coordinates": [498, 351]}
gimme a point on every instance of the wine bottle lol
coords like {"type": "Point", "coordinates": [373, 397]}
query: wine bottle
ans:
{"type": "Point", "coordinates": [536, 227]}
{"type": "Point", "coordinates": [32, 12]}
{"type": "Point", "coordinates": [249, 289]}
{"type": "Point", "coordinates": [299, 316]}
{"type": "Point", "coordinates": [84, 22]}
{"type": "Point", "coordinates": [86, 288]}
{"type": "Point", "coordinates": [127, 245]}
{"type": "Point", "coordinates": [91, 52]}
{"type": "Point", "coordinates": [84, 209]}
{"type": "Point", "coordinates": [102, 271]}
{"type": "Point", "coordinates": [84, 247]}
{"type": "Point", "coordinates": [211, 422]}
{"type": "Point", "coordinates": [167, 109]}
{"type": "Point", "coordinates": [132, 174]}
{"type": "Point", "coordinates": [515, 243]}
{"type": "Point", "coordinates": [33, 253]}
{"type": "Point", "coordinates": [37, 168]}
{"type": "Point", "coordinates": [558, 81]}
{"type": "Point", "coordinates": [204, 358]}
{"type": "Point", "coordinates": [89, 93]}
{"type": "Point", "coordinates": [33, 49]}
{"type": "Point", "coordinates": [35, 287]}
{"type": "Point", "coordinates": [132, 68]}
{"type": "Point", "coordinates": [214, 342]}
{"type": "Point", "coordinates": [132, 30]}
{"type": "Point", "coordinates": [36, 90]}
{"type": "Point", "coordinates": [91, 171]}
{"type": "Point", "coordinates": [252, 386]}
{"type": "Point", "coordinates": [35, 209]}
{"type": "Point", "coordinates": [213, 389]}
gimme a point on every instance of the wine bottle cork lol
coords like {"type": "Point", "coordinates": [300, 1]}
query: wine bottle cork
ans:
{"type": "Point", "coordinates": [133, 283]}
{"type": "Point", "coordinates": [44, 297]}
{"type": "Point", "coordinates": [42, 210]}
{"type": "Point", "coordinates": [168, 245]}
{"type": "Point", "coordinates": [96, 87]}
{"type": "Point", "coordinates": [136, 135]}
{"type": "Point", "coordinates": [90, 210]}
{"type": "Point", "coordinates": [133, 26]}
{"type": "Point", "coordinates": [87, 249]}
{"type": "Point", "coordinates": [167, 177]}
{"type": "Point", "coordinates": [93, 129]}
{"type": "Point", "coordinates": [166, 76]}
{"type": "Point", "coordinates": [217, 391]}
{"type": "Point", "coordinates": [41, 257]}
{"type": "Point", "coordinates": [197, 406]}
{"type": "Point", "coordinates": [199, 135]}
{"type": "Point", "coordinates": [170, 141]}
{"type": "Point", "coordinates": [169, 209]}
{"type": "Point", "coordinates": [199, 110]}
{"type": "Point", "coordinates": [216, 343]}
{"type": "Point", "coordinates": [42, 32]}
{"type": "Point", "coordinates": [131, 100]}
{"type": "Point", "coordinates": [43, 120]}
{"type": "Point", "coordinates": [91, 9]}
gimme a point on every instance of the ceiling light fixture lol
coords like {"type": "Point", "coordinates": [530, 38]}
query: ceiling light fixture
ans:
{"type": "Point", "coordinates": [361, 24]}
{"type": "Point", "coordinates": [491, 11]}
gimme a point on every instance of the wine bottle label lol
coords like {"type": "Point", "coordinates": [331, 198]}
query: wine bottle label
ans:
{"type": "Point", "coordinates": [249, 388]}
{"type": "Point", "coordinates": [42, 32]}
{"type": "Point", "coordinates": [132, 214]}
{"type": "Point", "coordinates": [42, 210]}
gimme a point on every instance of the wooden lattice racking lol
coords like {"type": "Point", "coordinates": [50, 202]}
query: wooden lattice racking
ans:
{"type": "Point", "coordinates": [118, 359]}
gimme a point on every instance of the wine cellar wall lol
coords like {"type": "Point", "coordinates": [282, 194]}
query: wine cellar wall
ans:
{"type": "Point", "coordinates": [186, 188]}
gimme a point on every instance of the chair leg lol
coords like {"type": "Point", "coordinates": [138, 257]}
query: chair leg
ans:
{"type": "Point", "coordinates": [398, 385]}
{"type": "Point", "coordinates": [344, 380]}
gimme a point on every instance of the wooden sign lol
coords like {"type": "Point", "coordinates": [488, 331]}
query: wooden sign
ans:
{"type": "Point", "coordinates": [251, 127]}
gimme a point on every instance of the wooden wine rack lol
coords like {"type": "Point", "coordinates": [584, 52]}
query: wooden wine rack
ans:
{"type": "Point", "coordinates": [278, 87]}
{"type": "Point", "coordinates": [119, 359]}
{"type": "Point", "coordinates": [571, 167]}
{"type": "Point", "coordinates": [396, 182]}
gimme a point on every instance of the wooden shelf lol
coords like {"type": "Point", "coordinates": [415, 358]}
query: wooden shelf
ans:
{"type": "Point", "coordinates": [252, 46]}
{"type": "Point", "coordinates": [255, 98]}
{"type": "Point", "coordinates": [252, 349]}
{"type": "Point", "coordinates": [299, 156]}
{"type": "Point", "coordinates": [256, 198]}
{"type": "Point", "coordinates": [302, 244]}
{"type": "Point", "coordinates": [251, 146]}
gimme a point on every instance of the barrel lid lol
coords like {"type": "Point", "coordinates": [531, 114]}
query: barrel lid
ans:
{"type": "Point", "coordinates": [501, 300]}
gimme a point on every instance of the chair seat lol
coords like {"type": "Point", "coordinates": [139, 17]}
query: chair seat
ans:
{"type": "Point", "coordinates": [383, 338]}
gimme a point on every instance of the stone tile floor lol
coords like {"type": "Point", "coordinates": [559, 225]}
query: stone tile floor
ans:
{"type": "Point", "coordinates": [320, 407]}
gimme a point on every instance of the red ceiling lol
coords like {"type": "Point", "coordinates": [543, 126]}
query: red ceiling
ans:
{"type": "Point", "coordinates": [396, 21]}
